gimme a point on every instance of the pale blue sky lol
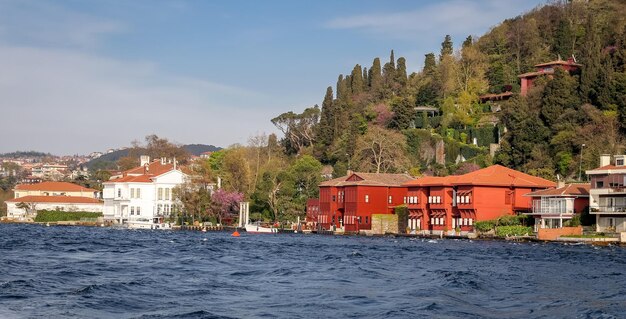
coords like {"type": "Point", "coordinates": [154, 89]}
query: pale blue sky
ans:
{"type": "Point", "coordinates": [79, 76]}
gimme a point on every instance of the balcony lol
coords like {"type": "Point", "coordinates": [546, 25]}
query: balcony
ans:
{"type": "Point", "coordinates": [613, 209]}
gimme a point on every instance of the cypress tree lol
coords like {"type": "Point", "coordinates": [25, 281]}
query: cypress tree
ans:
{"type": "Point", "coordinates": [392, 60]}
{"type": "Point", "coordinates": [375, 76]}
{"type": "Point", "coordinates": [356, 77]}
{"type": "Point", "coordinates": [325, 131]}
{"type": "Point", "coordinates": [558, 95]}
{"type": "Point", "coordinates": [404, 115]}
{"type": "Point", "coordinates": [468, 41]}
{"type": "Point", "coordinates": [401, 76]}
{"type": "Point", "coordinates": [430, 65]}
{"type": "Point", "coordinates": [563, 39]}
{"type": "Point", "coordinates": [592, 65]}
{"type": "Point", "coordinates": [343, 87]}
{"type": "Point", "coordinates": [446, 47]}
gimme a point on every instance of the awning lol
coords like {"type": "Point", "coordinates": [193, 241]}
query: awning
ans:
{"type": "Point", "coordinates": [437, 213]}
{"type": "Point", "coordinates": [467, 213]}
{"type": "Point", "coordinates": [415, 213]}
{"type": "Point", "coordinates": [463, 193]}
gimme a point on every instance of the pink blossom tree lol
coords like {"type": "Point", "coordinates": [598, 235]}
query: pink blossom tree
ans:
{"type": "Point", "coordinates": [225, 204]}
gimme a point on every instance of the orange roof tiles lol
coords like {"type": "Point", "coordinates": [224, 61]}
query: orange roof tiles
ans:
{"type": "Point", "coordinates": [433, 181]}
{"type": "Point", "coordinates": [142, 175]}
{"type": "Point", "coordinates": [369, 179]}
{"type": "Point", "coordinates": [498, 175]}
{"type": "Point", "coordinates": [55, 199]}
{"type": "Point", "coordinates": [536, 73]}
{"type": "Point", "coordinates": [568, 190]}
{"type": "Point", "coordinates": [54, 186]}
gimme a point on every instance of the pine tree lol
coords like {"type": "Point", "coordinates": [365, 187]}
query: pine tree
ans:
{"type": "Point", "coordinates": [404, 114]}
{"type": "Point", "coordinates": [563, 39]}
{"type": "Point", "coordinates": [366, 81]}
{"type": "Point", "coordinates": [591, 52]}
{"type": "Point", "coordinates": [446, 47]}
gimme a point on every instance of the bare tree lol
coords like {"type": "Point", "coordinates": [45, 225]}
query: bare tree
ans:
{"type": "Point", "coordinates": [381, 151]}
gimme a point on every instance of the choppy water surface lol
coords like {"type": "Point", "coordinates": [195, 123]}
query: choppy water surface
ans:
{"type": "Point", "coordinates": [57, 272]}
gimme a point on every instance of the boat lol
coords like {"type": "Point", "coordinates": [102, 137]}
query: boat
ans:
{"type": "Point", "coordinates": [257, 228]}
{"type": "Point", "coordinates": [145, 223]}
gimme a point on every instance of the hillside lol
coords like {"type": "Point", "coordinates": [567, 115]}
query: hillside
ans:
{"type": "Point", "coordinates": [379, 118]}
{"type": "Point", "coordinates": [109, 159]}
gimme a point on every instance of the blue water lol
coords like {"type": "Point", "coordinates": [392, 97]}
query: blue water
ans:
{"type": "Point", "coordinates": [76, 272]}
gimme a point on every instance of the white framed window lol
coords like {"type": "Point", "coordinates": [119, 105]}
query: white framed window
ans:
{"type": "Point", "coordinates": [138, 193]}
{"type": "Point", "coordinates": [470, 221]}
{"type": "Point", "coordinates": [132, 193]}
{"type": "Point", "coordinates": [390, 199]}
{"type": "Point", "coordinates": [430, 199]}
{"type": "Point", "coordinates": [404, 199]}
{"type": "Point", "coordinates": [367, 198]}
{"type": "Point", "coordinates": [138, 210]}
{"type": "Point", "coordinates": [160, 193]}
{"type": "Point", "coordinates": [167, 194]}
{"type": "Point", "coordinates": [119, 192]}
{"type": "Point", "coordinates": [132, 210]}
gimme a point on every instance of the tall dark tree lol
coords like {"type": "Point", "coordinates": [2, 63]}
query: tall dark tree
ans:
{"type": "Point", "coordinates": [591, 55]}
{"type": "Point", "coordinates": [357, 84]}
{"type": "Point", "coordinates": [343, 87]}
{"type": "Point", "coordinates": [325, 129]}
{"type": "Point", "coordinates": [375, 76]}
{"type": "Point", "coordinates": [558, 96]}
{"type": "Point", "coordinates": [403, 114]}
{"type": "Point", "coordinates": [446, 47]}
{"type": "Point", "coordinates": [563, 39]}
{"type": "Point", "coordinates": [401, 76]}
{"type": "Point", "coordinates": [430, 64]}
{"type": "Point", "coordinates": [468, 41]}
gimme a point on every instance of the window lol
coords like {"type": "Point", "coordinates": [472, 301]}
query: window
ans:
{"type": "Point", "coordinates": [366, 220]}
{"type": "Point", "coordinates": [138, 210]}
{"type": "Point", "coordinates": [160, 193]}
{"type": "Point", "coordinates": [132, 193]}
{"type": "Point", "coordinates": [599, 184]}
{"type": "Point", "coordinates": [415, 201]}
{"type": "Point", "coordinates": [159, 208]}
{"type": "Point", "coordinates": [119, 192]}
{"type": "Point", "coordinates": [367, 198]}
{"type": "Point", "coordinates": [390, 200]}
{"type": "Point", "coordinates": [430, 199]}
{"type": "Point", "coordinates": [138, 193]}
{"type": "Point", "coordinates": [132, 210]}
{"type": "Point", "coordinates": [334, 198]}
{"type": "Point", "coordinates": [470, 221]}
{"type": "Point", "coordinates": [619, 162]}
{"type": "Point", "coordinates": [167, 194]}
{"type": "Point", "coordinates": [404, 199]}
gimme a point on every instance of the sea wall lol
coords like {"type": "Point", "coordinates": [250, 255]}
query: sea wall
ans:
{"type": "Point", "coordinates": [555, 233]}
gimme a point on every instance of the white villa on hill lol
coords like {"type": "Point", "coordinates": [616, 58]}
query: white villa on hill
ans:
{"type": "Point", "coordinates": [141, 197]}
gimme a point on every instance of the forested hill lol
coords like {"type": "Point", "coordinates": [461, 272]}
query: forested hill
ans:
{"type": "Point", "coordinates": [379, 118]}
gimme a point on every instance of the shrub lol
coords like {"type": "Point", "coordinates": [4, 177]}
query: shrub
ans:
{"type": "Point", "coordinates": [44, 216]}
{"type": "Point", "coordinates": [484, 226]}
{"type": "Point", "coordinates": [503, 231]}
{"type": "Point", "coordinates": [509, 220]}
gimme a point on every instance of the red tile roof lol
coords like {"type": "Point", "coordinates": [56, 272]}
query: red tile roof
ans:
{"type": "Point", "coordinates": [142, 175]}
{"type": "Point", "coordinates": [433, 181]}
{"type": "Point", "coordinates": [369, 179]}
{"type": "Point", "coordinates": [54, 187]}
{"type": "Point", "coordinates": [567, 190]}
{"type": "Point", "coordinates": [607, 167]}
{"type": "Point", "coordinates": [536, 73]}
{"type": "Point", "coordinates": [55, 199]}
{"type": "Point", "coordinates": [498, 175]}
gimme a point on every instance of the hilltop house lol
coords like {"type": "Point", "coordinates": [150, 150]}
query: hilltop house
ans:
{"type": "Point", "coordinates": [142, 196]}
{"type": "Point", "coordinates": [527, 79]}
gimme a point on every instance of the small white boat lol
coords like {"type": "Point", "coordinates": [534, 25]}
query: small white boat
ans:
{"type": "Point", "coordinates": [144, 223]}
{"type": "Point", "coordinates": [258, 229]}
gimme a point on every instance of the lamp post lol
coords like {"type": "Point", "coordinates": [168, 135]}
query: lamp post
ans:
{"type": "Point", "coordinates": [580, 165]}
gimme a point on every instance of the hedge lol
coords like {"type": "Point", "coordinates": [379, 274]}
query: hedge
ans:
{"type": "Point", "coordinates": [44, 216]}
{"type": "Point", "coordinates": [485, 226]}
{"type": "Point", "coordinates": [504, 231]}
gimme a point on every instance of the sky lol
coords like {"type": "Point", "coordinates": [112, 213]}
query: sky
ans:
{"type": "Point", "coordinates": [78, 76]}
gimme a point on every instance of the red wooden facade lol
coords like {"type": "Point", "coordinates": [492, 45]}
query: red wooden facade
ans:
{"type": "Point", "coordinates": [348, 202]}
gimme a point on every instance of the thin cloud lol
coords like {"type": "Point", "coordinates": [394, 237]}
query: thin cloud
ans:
{"type": "Point", "coordinates": [444, 17]}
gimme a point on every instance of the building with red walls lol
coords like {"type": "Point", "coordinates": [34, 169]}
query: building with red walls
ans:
{"type": "Point", "coordinates": [312, 212]}
{"type": "Point", "coordinates": [445, 204]}
{"type": "Point", "coordinates": [347, 203]}
{"type": "Point", "coordinates": [527, 79]}
{"type": "Point", "coordinates": [493, 192]}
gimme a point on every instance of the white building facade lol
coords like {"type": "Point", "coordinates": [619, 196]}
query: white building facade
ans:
{"type": "Point", "coordinates": [143, 195]}
{"type": "Point", "coordinates": [608, 194]}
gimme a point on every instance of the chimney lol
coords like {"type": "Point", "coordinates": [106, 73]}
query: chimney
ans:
{"type": "Point", "coordinates": [559, 182]}
{"type": "Point", "coordinates": [219, 182]}
{"type": "Point", "coordinates": [605, 159]}
{"type": "Point", "coordinates": [349, 172]}
{"type": "Point", "coordinates": [144, 159]}
{"type": "Point", "coordinates": [162, 160]}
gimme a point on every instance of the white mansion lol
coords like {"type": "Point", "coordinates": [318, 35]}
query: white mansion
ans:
{"type": "Point", "coordinates": [141, 197]}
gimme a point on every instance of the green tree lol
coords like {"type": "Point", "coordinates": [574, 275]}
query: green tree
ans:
{"type": "Point", "coordinates": [446, 47]}
{"type": "Point", "coordinates": [403, 114]}
{"type": "Point", "coordinates": [375, 77]}
{"type": "Point", "coordinates": [558, 95]}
